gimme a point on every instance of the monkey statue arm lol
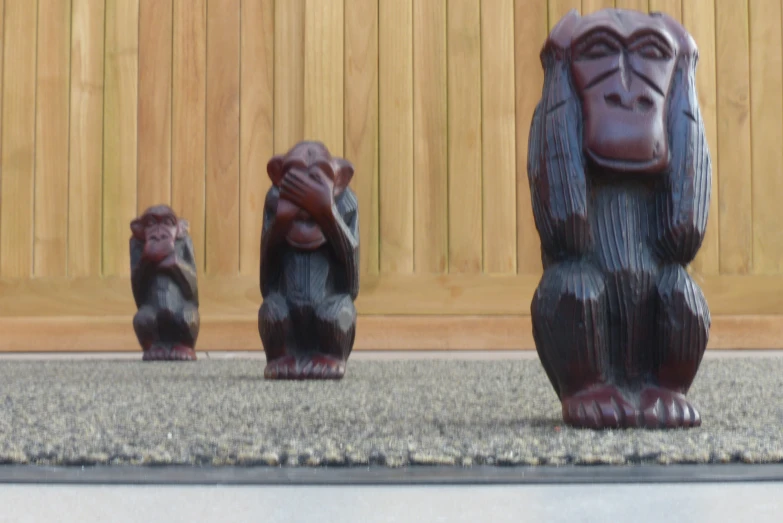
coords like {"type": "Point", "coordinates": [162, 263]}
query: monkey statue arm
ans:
{"type": "Point", "coordinates": [181, 266]}
{"type": "Point", "coordinates": [141, 271]}
{"type": "Point", "coordinates": [272, 234]}
{"type": "Point", "coordinates": [556, 173]}
{"type": "Point", "coordinates": [683, 203]}
{"type": "Point", "coordinates": [342, 231]}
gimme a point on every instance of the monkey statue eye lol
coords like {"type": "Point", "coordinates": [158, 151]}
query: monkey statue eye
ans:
{"type": "Point", "coordinates": [652, 51]}
{"type": "Point", "coordinates": [598, 49]}
{"type": "Point", "coordinates": [150, 221]}
{"type": "Point", "coordinates": [169, 221]}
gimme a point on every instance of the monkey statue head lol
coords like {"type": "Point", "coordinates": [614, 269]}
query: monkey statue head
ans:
{"type": "Point", "coordinates": [622, 64]}
{"type": "Point", "coordinates": [158, 228]}
{"type": "Point", "coordinates": [310, 159]}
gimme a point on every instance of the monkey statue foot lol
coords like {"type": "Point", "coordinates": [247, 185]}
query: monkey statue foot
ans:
{"type": "Point", "coordinates": [312, 367]}
{"type": "Point", "coordinates": [601, 407]}
{"type": "Point", "coordinates": [175, 353]}
{"type": "Point", "coordinates": [665, 408]}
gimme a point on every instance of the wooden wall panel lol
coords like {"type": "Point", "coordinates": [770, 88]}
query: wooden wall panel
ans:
{"type": "Point", "coordinates": [289, 73]}
{"type": "Point", "coordinates": [591, 6]}
{"type": "Point", "coordinates": [361, 123]}
{"type": "Point", "coordinates": [189, 120]}
{"type": "Point", "coordinates": [120, 132]}
{"type": "Point", "coordinates": [734, 148]}
{"type": "Point", "coordinates": [18, 138]}
{"type": "Point", "coordinates": [699, 19]}
{"type": "Point", "coordinates": [530, 31]}
{"type": "Point", "coordinates": [464, 135]}
{"type": "Point", "coordinates": [109, 106]}
{"type": "Point", "coordinates": [222, 185]}
{"type": "Point", "coordinates": [155, 70]}
{"type": "Point", "coordinates": [395, 49]}
{"type": "Point", "coordinates": [85, 173]}
{"type": "Point", "coordinates": [498, 137]}
{"type": "Point", "coordinates": [430, 131]}
{"type": "Point", "coordinates": [257, 125]}
{"type": "Point", "coordinates": [323, 73]}
{"type": "Point", "coordinates": [766, 82]}
{"type": "Point", "coordinates": [50, 230]}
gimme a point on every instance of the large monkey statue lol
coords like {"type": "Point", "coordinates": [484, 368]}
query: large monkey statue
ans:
{"type": "Point", "coordinates": [619, 175]}
{"type": "Point", "coordinates": [163, 280]}
{"type": "Point", "coordinates": [309, 273]}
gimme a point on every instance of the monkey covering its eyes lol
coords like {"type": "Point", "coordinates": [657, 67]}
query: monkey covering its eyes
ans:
{"type": "Point", "coordinates": [620, 181]}
{"type": "Point", "coordinates": [163, 280]}
{"type": "Point", "coordinates": [309, 274]}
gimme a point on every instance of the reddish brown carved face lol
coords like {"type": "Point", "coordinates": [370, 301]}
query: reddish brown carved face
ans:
{"type": "Point", "coordinates": [622, 65]}
{"type": "Point", "coordinates": [313, 160]}
{"type": "Point", "coordinates": [158, 228]}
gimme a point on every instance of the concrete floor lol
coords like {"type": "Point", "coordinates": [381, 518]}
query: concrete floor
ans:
{"type": "Point", "coordinates": [691, 503]}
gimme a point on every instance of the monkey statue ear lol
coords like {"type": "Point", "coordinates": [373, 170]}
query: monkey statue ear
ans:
{"type": "Point", "coordinates": [343, 174]}
{"type": "Point", "coordinates": [137, 228]}
{"type": "Point", "coordinates": [275, 169]}
{"type": "Point", "coordinates": [183, 228]}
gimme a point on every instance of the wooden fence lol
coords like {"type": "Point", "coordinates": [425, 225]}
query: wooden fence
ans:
{"type": "Point", "coordinates": [109, 106]}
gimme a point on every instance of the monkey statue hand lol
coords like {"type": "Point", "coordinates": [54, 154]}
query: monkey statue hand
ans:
{"type": "Point", "coordinates": [311, 193]}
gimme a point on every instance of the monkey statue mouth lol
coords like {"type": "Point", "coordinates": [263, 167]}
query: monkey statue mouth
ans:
{"type": "Point", "coordinates": [305, 233]}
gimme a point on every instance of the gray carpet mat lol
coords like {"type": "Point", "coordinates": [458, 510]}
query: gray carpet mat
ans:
{"type": "Point", "coordinates": [387, 413]}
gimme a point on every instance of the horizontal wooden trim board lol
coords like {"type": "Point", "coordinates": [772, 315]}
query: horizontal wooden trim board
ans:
{"type": "Point", "coordinates": [114, 333]}
{"type": "Point", "coordinates": [387, 294]}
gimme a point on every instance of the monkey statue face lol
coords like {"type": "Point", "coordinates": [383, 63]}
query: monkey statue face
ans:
{"type": "Point", "coordinates": [622, 64]}
{"type": "Point", "coordinates": [158, 228]}
{"type": "Point", "coordinates": [330, 176]}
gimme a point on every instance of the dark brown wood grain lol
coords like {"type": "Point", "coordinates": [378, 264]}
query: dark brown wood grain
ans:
{"type": "Point", "coordinates": [164, 284]}
{"type": "Point", "coordinates": [620, 183]}
{"type": "Point", "coordinates": [309, 273]}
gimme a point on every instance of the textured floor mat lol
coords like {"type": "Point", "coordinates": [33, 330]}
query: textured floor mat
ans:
{"type": "Point", "coordinates": [392, 413]}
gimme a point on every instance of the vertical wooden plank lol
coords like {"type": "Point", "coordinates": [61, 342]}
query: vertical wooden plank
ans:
{"type": "Point", "coordinates": [256, 118]}
{"type": "Point", "coordinates": [559, 8]}
{"type": "Point", "coordinates": [222, 227]}
{"type": "Point", "coordinates": [188, 136]}
{"type": "Point", "coordinates": [289, 73]}
{"type": "Point", "coordinates": [155, 50]}
{"type": "Point", "coordinates": [361, 122]}
{"type": "Point", "coordinates": [464, 116]}
{"type": "Point", "coordinates": [766, 96]}
{"type": "Point", "coordinates": [85, 213]}
{"type": "Point", "coordinates": [430, 128]}
{"type": "Point", "coordinates": [120, 132]}
{"type": "Point", "coordinates": [18, 140]}
{"type": "Point", "coordinates": [672, 8]}
{"type": "Point", "coordinates": [396, 134]}
{"type": "Point", "coordinates": [530, 32]}
{"type": "Point", "coordinates": [591, 6]}
{"type": "Point", "coordinates": [323, 73]}
{"type": "Point", "coordinates": [498, 137]}
{"type": "Point", "coordinates": [733, 70]}
{"type": "Point", "coordinates": [638, 5]}
{"type": "Point", "coordinates": [699, 19]}
{"type": "Point", "coordinates": [50, 246]}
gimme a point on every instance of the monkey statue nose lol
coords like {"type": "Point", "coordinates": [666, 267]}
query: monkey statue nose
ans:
{"type": "Point", "coordinates": [641, 103]}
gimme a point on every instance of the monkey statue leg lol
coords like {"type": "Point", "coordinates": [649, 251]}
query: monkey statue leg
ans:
{"type": "Point", "coordinates": [274, 325]}
{"type": "Point", "coordinates": [335, 327]}
{"type": "Point", "coordinates": [145, 325]}
{"type": "Point", "coordinates": [185, 329]}
{"type": "Point", "coordinates": [570, 329]}
{"type": "Point", "coordinates": [683, 328]}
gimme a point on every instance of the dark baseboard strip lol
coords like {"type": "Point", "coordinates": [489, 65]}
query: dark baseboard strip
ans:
{"type": "Point", "coordinates": [368, 476]}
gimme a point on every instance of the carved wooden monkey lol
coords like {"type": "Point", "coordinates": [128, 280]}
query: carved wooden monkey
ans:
{"type": "Point", "coordinates": [620, 181]}
{"type": "Point", "coordinates": [163, 280]}
{"type": "Point", "coordinates": [309, 272]}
